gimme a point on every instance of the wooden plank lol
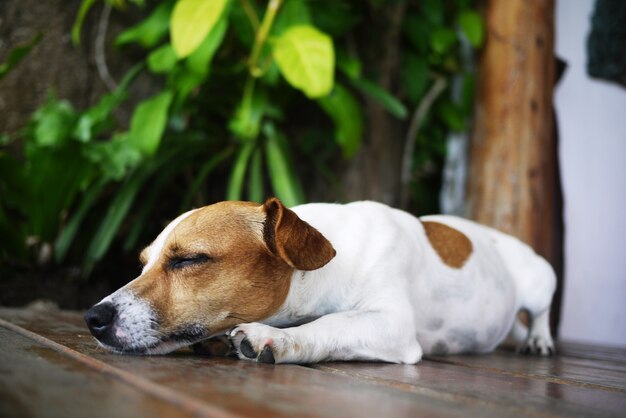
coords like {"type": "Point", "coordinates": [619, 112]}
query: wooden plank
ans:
{"type": "Point", "coordinates": [600, 374]}
{"type": "Point", "coordinates": [36, 380]}
{"type": "Point", "coordinates": [520, 394]}
{"type": "Point", "coordinates": [251, 389]}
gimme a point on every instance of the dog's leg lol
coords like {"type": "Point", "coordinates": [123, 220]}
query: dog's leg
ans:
{"type": "Point", "coordinates": [338, 336]}
{"type": "Point", "coordinates": [536, 299]}
{"type": "Point", "coordinates": [539, 340]}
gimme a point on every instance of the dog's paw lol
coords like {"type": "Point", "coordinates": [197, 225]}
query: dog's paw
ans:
{"type": "Point", "coordinates": [257, 342]}
{"type": "Point", "coordinates": [537, 345]}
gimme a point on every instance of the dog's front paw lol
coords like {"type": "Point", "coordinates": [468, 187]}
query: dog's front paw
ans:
{"type": "Point", "coordinates": [257, 342]}
{"type": "Point", "coordinates": [537, 345]}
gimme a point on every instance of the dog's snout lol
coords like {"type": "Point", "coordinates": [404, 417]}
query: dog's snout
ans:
{"type": "Point", "coordinates": [100, 318]}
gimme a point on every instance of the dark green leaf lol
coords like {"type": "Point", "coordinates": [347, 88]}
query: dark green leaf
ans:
{"type": "Point", "coordinates": [291, 13]}
{"type": "Point", "coordinates": [115, 157]}
{"type": "Point", "coordinates": [345, 112]}
{"type": "Point", "coordinates": [256, 192]}
{"type": "Point", "coordinates": [350, 66]}
{"type": "Point", "coordinates": [451, 115]}
{"type": "Point", "coordinates": [85, 6]}
{"type": "Point", "coordinates": [17, 54]}
{"type": "Point", "coordinates": [336, 17]}
{"type": "Point", "coordinates": [148, 123]}
{"type": "Point", "coordinates": [442, 39]}
{"type": "Point", "coordinates": [386, 99]}
{"type": "Point", "coordinates": [433, 10]}
{"type": "Point", "coordinates": [415, 77]}
{"type": "Point", "coordinates": [68, 233]}
{"type": "Point", "coordinates": [110, 225]}
{"type": "Point", "coordinates": [149, 31]}
{"type": "Point", "coordinates": [417, 29]}
{"type": "Point", "coordinates": [472, 26]}
{"type": "Point", "coordinates": [238, 173]}
{"type": "Point", "coordinates": [201, 177]}
{"type": "Point", "coordinates": [162, 59]}
{"type": "Point", "coordinates": [282, 176]}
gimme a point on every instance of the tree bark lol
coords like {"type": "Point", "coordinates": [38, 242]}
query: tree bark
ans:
{"type": "Point", "coordinates": [512, 164]}
{"type": "Point", "coordinates": [513, 182]}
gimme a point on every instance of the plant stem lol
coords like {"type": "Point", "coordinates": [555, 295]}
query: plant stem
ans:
{"type": "Point", "coordinates": [261, 36]}
{"type": "Point", "coordinates": [251, 13]}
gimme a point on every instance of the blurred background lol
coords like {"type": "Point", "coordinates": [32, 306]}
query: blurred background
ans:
{"type": "Point", "coordinates": [117, 115]}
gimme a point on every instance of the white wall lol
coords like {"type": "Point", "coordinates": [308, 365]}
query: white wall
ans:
{"type": "Point", "coordinates": [592, 122]}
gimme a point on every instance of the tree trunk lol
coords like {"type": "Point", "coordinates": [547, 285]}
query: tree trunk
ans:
{"type": "Point", "coordinates": [513, 177]}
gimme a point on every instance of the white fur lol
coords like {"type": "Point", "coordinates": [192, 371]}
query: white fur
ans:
{"type": "Point", "coordinates": [388, 296]}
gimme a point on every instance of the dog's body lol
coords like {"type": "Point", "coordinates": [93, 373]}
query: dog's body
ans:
{"type": "Point", "coordinates": [397, 288]}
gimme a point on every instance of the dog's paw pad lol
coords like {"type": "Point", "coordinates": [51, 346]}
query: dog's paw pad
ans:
{"type": "Point", "coordinates": [267, 355]}
{"type": "Point", "coordinates": [246, 349]}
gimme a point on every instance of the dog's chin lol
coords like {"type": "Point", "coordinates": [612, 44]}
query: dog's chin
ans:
{"type": "Point", "coordinates": [164, 345]}
{"type": "Point", "coordinates": [160, 348]}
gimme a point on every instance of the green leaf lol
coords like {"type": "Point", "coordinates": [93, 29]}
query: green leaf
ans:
{"type": "Point", "coordinates": [17, 54]}
{"type": "Point", "coordinates": [246, 123]}
{"type": "Point", "coordinates": [200, 178]}
{"type": "Point", "coordinates": [345, 112]}
{"type": "Point", "coordinates": [98, 118]}
{"type": "Point", "coordinates": [54, 122]}
{"type": "Point", "coordinates": [417, 29]}
{"type": "Point", "coordinates": [238, 173]}
{"type": "Point", "coordinates": [336, 17]}
{"type": "Point", "coordinates": [162, 60]}
{"type": "Point", "coordinates": [114, 157]}
{"type": "Point", "coordinates": [442, 39]}
{"type": "Point", "coordinates": [451, 115]}
{"type": "Point", "coordinates": [414, 76]}
{"type": "Point", "coordinates": [150, 31]}
{"type": "Point", "coordinates": [472, 26]}
{"type": "Point", "coordinates": [191, 21]}
{"type": "Point", "coordinates": [282, 176]}
{"type": "Point", "coordinates": [433, 10]}
{"type": "Point", "coordinates": [200, 60]}
{"type": "Point", "coordinates": [350, 66]}
{"type": "Point", "coordinates": [148, 123]}
{"type": "Point", "coordinates": [386, 99]}
{"type": "Point", "coordinates": [110, 225]}
{"type": "Point", "coordinates": [292, 13]}
{"type": "Point", "coordinates": [67, 234]}
{"type": "Point", "coordinates": [306, 59]}
{"type": "Point", "coordinates": [85, 6]}
{"type": "Point", "coordinates": [256, 192]}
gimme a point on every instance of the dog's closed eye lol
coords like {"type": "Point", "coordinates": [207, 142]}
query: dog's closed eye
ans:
{"type": "Point", "coordinates": [178, 262]}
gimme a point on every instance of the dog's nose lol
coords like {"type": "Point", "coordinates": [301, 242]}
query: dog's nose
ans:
{"type": "Point", "coordinates": [99, 319]}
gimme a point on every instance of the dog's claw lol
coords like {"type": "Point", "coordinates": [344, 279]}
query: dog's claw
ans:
{"type": "Point", "coordinates": [246, 348]}
{"type": "Point", "coordinates": [267, 355]}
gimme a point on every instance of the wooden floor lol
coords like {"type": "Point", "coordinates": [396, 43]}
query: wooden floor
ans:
{"type": "Point", "coordinates": [51, 367]}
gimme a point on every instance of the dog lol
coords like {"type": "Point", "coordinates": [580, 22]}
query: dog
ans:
{"type": "Point", "coordinates": [325, 282]}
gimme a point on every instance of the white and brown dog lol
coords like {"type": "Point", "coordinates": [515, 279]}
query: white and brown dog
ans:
{"type": "Point", "coordinates": [320, 282]}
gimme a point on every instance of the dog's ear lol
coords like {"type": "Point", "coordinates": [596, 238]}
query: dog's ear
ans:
{"type": "Point", "coordinates": [296, 242]}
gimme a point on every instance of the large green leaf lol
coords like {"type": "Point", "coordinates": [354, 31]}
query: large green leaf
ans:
{"type": "Point", "coordinates": [148, 123]}
{"type": "Point", "coordinates": [191, 21]}
{"type": "Point", "coordinates": [150, 31]}
{"type": "Point", "coordinates": [442, 39]}
{"type": "Point", "coordinates": [345, 112]}
{"type": "Point", "coordinates": [414, 76]}
{"type": "Point", "coordinates": [282, 176]}
{"type": "Point", "coordinates": [306, 59]}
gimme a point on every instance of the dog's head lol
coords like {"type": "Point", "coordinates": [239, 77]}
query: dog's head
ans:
{"type": "Point", "coordinates": [208, 270]}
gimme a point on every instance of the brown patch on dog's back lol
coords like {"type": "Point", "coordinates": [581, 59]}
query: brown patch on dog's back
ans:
{"type": "Point", "coordinates": [452, 246]}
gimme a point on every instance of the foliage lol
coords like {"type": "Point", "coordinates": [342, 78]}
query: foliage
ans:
{"type": "Point", "coordinates": [232, 72]}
